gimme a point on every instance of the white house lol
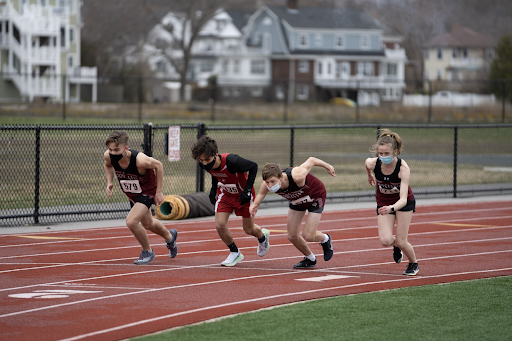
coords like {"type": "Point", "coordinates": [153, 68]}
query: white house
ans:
{"type": "Point", "coordinates": [40, 51]}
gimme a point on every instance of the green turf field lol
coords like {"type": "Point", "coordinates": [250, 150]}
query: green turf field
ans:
{"type": "Point", "coordinates": [472, 310]}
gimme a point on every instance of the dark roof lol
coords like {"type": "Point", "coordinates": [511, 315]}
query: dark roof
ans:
{"type": "Point", "coordinates": [460, 36]}
{"type": "Point", "coordinates": [240, 16]}
{"type": "Point", "coordinates": [326, 18]}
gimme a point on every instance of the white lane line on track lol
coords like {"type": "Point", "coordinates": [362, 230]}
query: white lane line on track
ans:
{"type": "Point", "coordinates": [177, 224]}
{"type": "Point", "coordinates": [55, 265]}
{"type": "Point", "coordinates": [199, 284]}
{"type": "Point", "coordinates": [251, 237]}
{"type": "Point", "coordinates": [216, 266]}
{"type": "Point", "coordinates": [138, 323]}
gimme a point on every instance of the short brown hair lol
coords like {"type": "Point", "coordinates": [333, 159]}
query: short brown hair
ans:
{"type": "Point", "coordinates": [204, 146]}
{"type": "Point", "coordinates": [118, 137]}
{"type": "Point", "coordinates": [270, 170]}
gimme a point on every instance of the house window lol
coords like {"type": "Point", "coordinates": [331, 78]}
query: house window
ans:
{"type": "Point", "coordinates": [236, 66]}
{"type": "Point", "coordinates": [303, 66]}
{"type": "Point", "coordinates": [392, 70]}
{"type": "Point", "coordinates": [71, 35]}
{"type": "Point", "coordinates": [318, 40]}
{"type": "Point", "coordinates": [303, 40]}
{"type": "Point", "coordinates": [439, 74]}
{"type": "Point", "coordinates": [302, 92]}
{"type": "Point", "coordinates": [258, 66]}
{"type": "Point", "coordinates": [320, 68]}
{"type": "Point", "coordinates": [256, 39]}
{"type": "Point", "coordinates": [220, 24]}
{"type": "Point", "coordinates": [206, 67]}
{"type": "Point", "coordinates": [339, 42]}
{"type": "Point", "coordinates": [439, 54]}
{"type": "Point", "coordinates": [43, 3]}
{"type": "Point", "coordinates": [365, 69]}
{"type": "Point", "coordinates": [426, 75]}
{"type": "Point", "coordinates": [62, 37]}
{"type": "Point", "coordinates": [71, 61]}
{"type": "Point", "coordinates": [329, 68]}
{"type": "Point", "coordinates": [236, 92]}
{"type": "Point", "coordinates": [490, 53]}
{"type": "Point", "coordinates": [161, 66]}
{"type": "Point", "coordinates": [365, 42]}
{"type": "Point", "coordinates": [427, 54]}
{"type": "Point", "coordinates": [225, 66]}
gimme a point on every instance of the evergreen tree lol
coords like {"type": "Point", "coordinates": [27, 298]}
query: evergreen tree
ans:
{"type": "Point", "coordinates": [501, 69]}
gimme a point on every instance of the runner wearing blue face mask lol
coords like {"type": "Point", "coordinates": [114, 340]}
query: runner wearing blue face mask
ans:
{"type": "Point", "coordinates": [305, 192]}
{"type": "Point", "coordinates": [395, 200]}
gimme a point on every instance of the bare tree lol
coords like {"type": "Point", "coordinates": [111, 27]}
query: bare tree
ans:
{"type": "Point", "coordinates": [184, 27]}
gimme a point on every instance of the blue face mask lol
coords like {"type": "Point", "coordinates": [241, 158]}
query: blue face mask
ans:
{"type": "Point", "coordinates": [275, 188]}
{"type": "Point", "coordinates": [386, 159]}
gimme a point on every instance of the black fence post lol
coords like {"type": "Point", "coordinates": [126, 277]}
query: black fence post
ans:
{"type": "Point", "coordinates": [64, 97]}
{"type": "Point", "coordinates": [285, 109]}
{"type": "Point", "coordinates": [147, 146]}
{"type": "Point", "coordinates": [201, 131]}
{"type": "Point", "coordinates": [140, 97]}
{"type": "Point", "coordinates": [504, 84]}
{"type": "Point", "coordinates": [455, 137]}
{"type": "Point", "coordinates": [429, 101]}
{"type": "Point", "coordinates": [37, 174]}
{"type": "Point", "coordinates": [292, 145]}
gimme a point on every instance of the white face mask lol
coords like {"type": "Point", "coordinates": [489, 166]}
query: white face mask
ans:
{"type": "Point", "coordinates": [275, 188]}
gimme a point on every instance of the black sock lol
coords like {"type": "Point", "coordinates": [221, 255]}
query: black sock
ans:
{"type": "Point", "coordinates": [233, 247]}
{"type": "Point", "coordinates": [262, 239]}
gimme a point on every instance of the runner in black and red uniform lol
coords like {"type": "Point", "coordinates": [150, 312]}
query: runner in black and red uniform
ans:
{"type": "Point", "coordinates": [140, 178]}
{"type": "Point", "coordinates": [232, 191]}
{"type": "Point", "coordinates": [305, 192]}
{"type": "Point", "coordinates": [395, 200]}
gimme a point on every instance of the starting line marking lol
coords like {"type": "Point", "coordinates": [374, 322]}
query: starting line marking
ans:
{"type": "Point", "coordinates": [43, 237]}
{"type": "Point", "coordinates": [323, 278]}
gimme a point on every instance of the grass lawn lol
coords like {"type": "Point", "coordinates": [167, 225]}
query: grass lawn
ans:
{"type": "Point", "coordinates": [471, 310]}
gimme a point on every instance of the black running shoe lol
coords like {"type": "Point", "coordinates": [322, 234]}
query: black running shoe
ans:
{"type": "Point", "coordinates": [412, 269]}
{"type": "Point", "coordinates": [397, 254]}
{"type": "Point", "coordinates": [305, 263]}
{"type": "Point", "coordinates": [327, 246]}
{"type": "Point", "coordinates": [173, 248]}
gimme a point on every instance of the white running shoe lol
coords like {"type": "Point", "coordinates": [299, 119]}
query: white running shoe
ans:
{"type": "Point", "coordinates": [263, 247]}
{"type": "Point", "coordinates": [233, 258]}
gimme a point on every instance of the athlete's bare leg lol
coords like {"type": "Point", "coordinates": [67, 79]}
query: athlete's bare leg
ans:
{"type": "Point", "coordinates": [403, 221]}
{"type": "Point", "coordinates": [293, 224]}
{"type": "Point", "coordinates": [310, 232]}
{"type": "Point", "coordinates": [251, 228]}
{"type": "Point", "coordinates": [221, 224]}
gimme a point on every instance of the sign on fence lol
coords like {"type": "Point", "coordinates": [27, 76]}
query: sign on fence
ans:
{"type": "Point", "coordinates": [174, 144]}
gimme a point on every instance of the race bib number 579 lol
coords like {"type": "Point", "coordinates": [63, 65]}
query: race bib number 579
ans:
{"type": "Point", "coordinates": [131, 186]}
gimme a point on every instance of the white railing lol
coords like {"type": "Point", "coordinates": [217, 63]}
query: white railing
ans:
{"type": "Point", "coordinates": [467, 62]}
{"type": "Point", "coordinates": [449, 99]}
{"type": "Point", "coordinates": [46, 86]}
{"type": "Point", "coordinates": [45, 54]}
{"type": "Point", "coordinates": [83, 74]}
{"type": "Point", "coordinates": [395, 54]}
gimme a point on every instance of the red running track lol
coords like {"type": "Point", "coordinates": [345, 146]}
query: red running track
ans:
{"type": "Point", "coordinates": [83, 285]}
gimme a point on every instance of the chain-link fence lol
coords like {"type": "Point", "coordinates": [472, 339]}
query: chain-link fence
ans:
{"type": "Point", "coordinates": [55, 173]}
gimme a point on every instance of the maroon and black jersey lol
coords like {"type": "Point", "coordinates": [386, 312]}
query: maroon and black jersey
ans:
{"type": "Point", "coordinates": [234, 175]}
{"type": "Point", "coordinates": [312, 191]}
{"type": "Point", "coordinates": [132, 182]}
{"type": "Point", "coordinates": [388, 186]}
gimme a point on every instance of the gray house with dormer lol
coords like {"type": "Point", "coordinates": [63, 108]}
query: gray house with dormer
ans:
{"type": "Point", "coordinates": [315, 53]}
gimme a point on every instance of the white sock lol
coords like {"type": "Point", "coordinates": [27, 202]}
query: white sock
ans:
{"type": "Point", "coordinates": [326, 238]}
{"type": "Point", "coordinates": [311, 257]}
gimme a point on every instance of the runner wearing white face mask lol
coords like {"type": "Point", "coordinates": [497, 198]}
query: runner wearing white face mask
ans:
{"type": "Point", "coordinates": [305, 192]}
{"type": "Point", "coordinates": [395, 200]}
